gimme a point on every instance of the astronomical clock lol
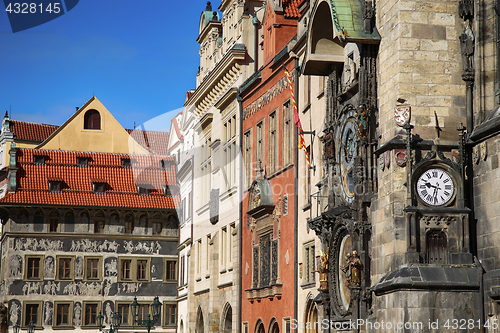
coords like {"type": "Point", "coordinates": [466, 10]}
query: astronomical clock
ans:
{"type": "Point", "coordinates": [349, 140]}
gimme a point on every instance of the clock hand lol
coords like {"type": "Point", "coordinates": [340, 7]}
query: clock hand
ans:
{"type": "Point", "coordinates": [429, 185]}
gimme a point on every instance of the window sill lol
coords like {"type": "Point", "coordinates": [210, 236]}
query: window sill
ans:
{"type": "Point", "coordinates": [232, 191]}
{"type": "Point", "coordinates": [306, 207]}
{"type": "Point", "coordinates": [308, 285]}
{"type": "Point", "coordinates": [207, 276]}
{"type": "Point", "coordinates": [198, 279]}
{"type": "Point", "coordinates": [307, 107]}
{"type": "Point", "coordinates": [89, 327]}
{"type": "Point", "coordinates": [321, 94]}
{"type": "Point", "coordinates": [223, 271]}
{"type": "Point", "coordinates": [62, 327]}
{"type": "Point", "coordinates": [256, 294]}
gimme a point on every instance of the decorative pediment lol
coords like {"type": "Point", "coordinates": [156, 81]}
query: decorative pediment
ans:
{"type": "Point", "coordinates": [260, 199]}
{"type": "Point", "coordinates": [334, 23]}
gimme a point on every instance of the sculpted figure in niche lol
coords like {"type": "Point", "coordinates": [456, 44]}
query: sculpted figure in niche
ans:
{"type": "Point", "coordinates": [323, 269]}
{"type": "Point", "coordinates": [15, 265]}
{"type": "Point", "coordinates": [352, 269]}
{"type": "Point", "coordinates": [467, 47]}
{"type": "Point", "coordinates": [49, 267]}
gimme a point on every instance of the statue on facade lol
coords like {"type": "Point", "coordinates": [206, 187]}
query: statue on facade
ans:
{"type": "Point", "coordinates": [323, 270]}
{"type": "Point", "coordinates": [362, 121]}
{"type": "Point", "coordinates": [467, 48]}
{"type": "Point", "coordinates": [352, 269]}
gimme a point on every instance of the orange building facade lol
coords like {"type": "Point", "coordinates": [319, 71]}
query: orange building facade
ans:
{"type": "Point", "coordinates": [268, 300]}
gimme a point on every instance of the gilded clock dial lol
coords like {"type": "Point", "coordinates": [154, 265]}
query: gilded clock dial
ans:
{"type": "Point", "coordinates": [435, 187]}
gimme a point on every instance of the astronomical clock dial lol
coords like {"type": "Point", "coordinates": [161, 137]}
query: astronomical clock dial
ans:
{"type": "Point", "coordinates": [346, 151]}
{"type": "Point", "coordinates": [435, 187]}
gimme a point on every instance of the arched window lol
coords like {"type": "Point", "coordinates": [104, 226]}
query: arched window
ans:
{"type": "Point", "coordinates": [92, 120]}
{"type": "Point", "coordinates": [200, 326]}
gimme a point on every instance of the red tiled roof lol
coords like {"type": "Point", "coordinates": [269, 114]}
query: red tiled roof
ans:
{"type": "Point", "coordinates": [76, 188]}
{"type": "Point", "coordinates": [155, 142]}
{"type": "Point", "coordinates": [31, 131]}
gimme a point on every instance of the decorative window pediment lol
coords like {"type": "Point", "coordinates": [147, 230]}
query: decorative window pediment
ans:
{"type": "Point", "coordinates": [260, 198]}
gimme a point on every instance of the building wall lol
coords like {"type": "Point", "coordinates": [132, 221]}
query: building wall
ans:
{"type": "Point", "coordinates": [110, 138]}
{"type": "Point", "coordinates": [23, 240]}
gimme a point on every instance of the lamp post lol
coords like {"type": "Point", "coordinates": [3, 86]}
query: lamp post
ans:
{"type": "Point", "coordinates": [116, 320]}
{"type": "Point", "coordinates": [148, 323]}
{"type": "Point", "coordinates": [30, 328]}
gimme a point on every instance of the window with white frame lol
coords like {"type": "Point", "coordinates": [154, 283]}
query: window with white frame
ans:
{"type": "Point", "coordinates": [198, 258]}
{"type": "Point", "coordinates": [259, 150]}
{"type": "Point", "coordinates": [206, 172]}
{"type": "Point", "coordinates": [309, 262]}
{"type": "Point", "coordinates": [247, 146]}
{"type": "Point", "coordinates": [273, 142]}
{"type": "Point", "coordinates": [209, 239]}
{"type": "Point", "coordinates": [229, 151]}
{"type": "Point", "coordinates": [223, 247]}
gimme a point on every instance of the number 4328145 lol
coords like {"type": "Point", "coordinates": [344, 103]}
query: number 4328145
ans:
{"type": "Point", "coordinates": [32, 8]}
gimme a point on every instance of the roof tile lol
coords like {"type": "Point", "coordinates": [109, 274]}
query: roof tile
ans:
{"type": "Point", "coordinates": [32, 185]}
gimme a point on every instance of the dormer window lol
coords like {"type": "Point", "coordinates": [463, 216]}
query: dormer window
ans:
{"type": "Point", "coordinates": [99, 187]}
{"type": "Point", "coordinates": [167, 191]}
{"type": "Point", "coordinates": [39, 159]}
{"type": "Point", "coordinates": [82, 162]}
{"type": "Point", "coordinates": [165, 165]}
{"type": "Point", "coordinates": [92, 120]}
{"type": "Point", "coordinates": [142, 190]}
{"type": "Point", "coordinates": [126, 163]}
{"type": "Point", "coordinates": [55, 186]}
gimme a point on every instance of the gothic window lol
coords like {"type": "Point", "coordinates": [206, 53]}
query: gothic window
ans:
{"type": "Point", "coordinates": [259, 151]}
{"type": "Point", "coordinates": [92, 120]}
{"type": "Point", "coordinates": [129, 224]}
{"type": "Point", "coordinates": [247, 145]}
{"type": "Point", "coordinates": [229, 148]}
{"type": "Point", "coordinates": [54, 221]}
{"type": "Point", "coordinates": [288, 134]}
{"type": "Point", "coordinates": [273, 142]}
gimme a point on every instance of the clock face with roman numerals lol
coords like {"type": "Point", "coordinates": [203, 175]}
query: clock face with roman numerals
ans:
{"type": "Point", "coordinates": [435, 187]}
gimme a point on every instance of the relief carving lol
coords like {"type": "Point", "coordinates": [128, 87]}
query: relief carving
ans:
{"type": "Point", "coordinates": [41, 288]}
{"type": "Point", "coordinates": [128, 288]}
{"type": "Point", "coordinates": [83, 289]}
{"type": "Point", "coordinates": [147, 247]}
{"type": "Point", "coordinates": [33, 244]}
{"type": "Point", "coordinates": [86, 245]}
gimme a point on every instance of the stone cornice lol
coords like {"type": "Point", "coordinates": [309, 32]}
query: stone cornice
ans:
{"type": "Point", "coordinates": [234, 56]}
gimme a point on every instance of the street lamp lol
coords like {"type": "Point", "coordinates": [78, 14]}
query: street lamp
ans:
{"type": "Point", "coordinates": [156, 306]}
{"type": "Point", "coordinates": [116, 320]}
{"type": "Point", "coordinates": [30, 328]}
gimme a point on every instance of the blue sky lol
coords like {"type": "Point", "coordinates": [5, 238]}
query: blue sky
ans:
{"type": "Point", "coordinates": [139, 57]}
